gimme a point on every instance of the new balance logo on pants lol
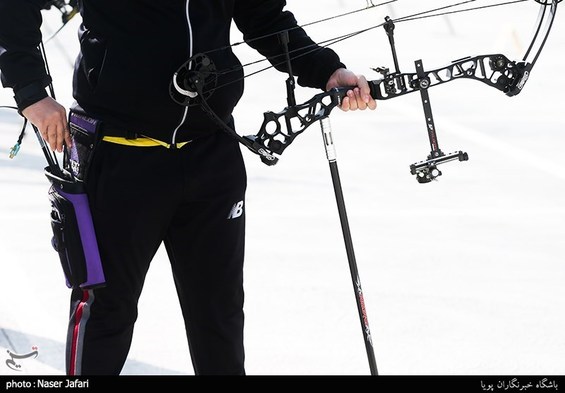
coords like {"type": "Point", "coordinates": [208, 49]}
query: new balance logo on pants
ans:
{"type": "Point", "coordinates": [236, 211]}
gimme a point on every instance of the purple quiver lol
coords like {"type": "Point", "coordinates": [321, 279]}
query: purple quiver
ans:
{"type": "Point", "coordinates": [74, 237]}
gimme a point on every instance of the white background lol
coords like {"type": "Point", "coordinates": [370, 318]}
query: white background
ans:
{"type": "Point", "coordinates": [463, 276]}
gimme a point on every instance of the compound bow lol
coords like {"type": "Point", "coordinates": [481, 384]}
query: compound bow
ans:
{"type": "Point", "coordinates": [196, 80]}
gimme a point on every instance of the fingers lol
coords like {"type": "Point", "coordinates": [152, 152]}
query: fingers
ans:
{"type": "Point", "coordinates": [354, 100]}
{"type": "Point", "coordinates": [67, 136]}
{"type": "Point", "coordinates": [365, 92]}
{"type": "Point", "coordinates": [59, 137]}
{"type": "Point", "coordinates": [50, 118]}
{"type": "Point", "coordinates": [357, 99]}
{"type": "Point", "coordinates": [54, 131]}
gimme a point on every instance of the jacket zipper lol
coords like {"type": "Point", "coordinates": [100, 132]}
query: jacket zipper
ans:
{"type": "Point", "coordinates": [185, 111]}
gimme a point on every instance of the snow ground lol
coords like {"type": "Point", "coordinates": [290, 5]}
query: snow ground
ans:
{"type": "Point", "coordinates": [463, 276]}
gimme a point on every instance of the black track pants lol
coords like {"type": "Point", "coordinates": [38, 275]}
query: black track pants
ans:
{"type": "Point", "coordinates": [192, 199]}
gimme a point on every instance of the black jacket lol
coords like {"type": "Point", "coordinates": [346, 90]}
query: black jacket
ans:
{"type": "Point", "coordinates": [129, 51]}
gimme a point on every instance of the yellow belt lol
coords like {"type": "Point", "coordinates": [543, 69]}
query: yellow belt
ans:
{"type": "Point", "coordinates": [141, 142]}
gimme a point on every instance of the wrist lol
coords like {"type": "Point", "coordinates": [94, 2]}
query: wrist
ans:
{"type": "Point", "coordinates": [30, 94]}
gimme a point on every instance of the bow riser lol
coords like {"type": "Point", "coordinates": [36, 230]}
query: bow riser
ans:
{"type": "Point", "coordinates": [276, 138]}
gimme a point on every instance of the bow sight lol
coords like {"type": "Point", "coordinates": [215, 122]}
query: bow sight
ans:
{"type": "Point", "coordinates": [396, 84]}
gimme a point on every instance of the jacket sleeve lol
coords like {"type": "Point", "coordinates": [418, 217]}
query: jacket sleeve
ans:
{"type": "Point", "coordinates": [260, 20]}
{"type": "Point", "coordinates": [21, 64]}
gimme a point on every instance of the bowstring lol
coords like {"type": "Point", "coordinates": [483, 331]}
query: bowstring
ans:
{"type": "Point", "coordinates": [314, 48]}
{"type": "Point", "coordinates": [348, 13]}
{"type": "Point", "coordinates": [421, 15]}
